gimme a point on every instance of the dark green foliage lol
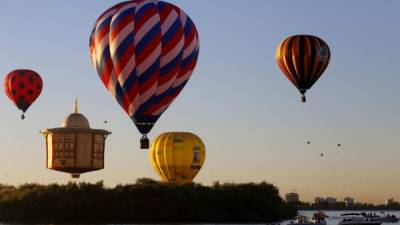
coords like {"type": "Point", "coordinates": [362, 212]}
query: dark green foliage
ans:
{"type": "Point", "coordinates": [146, 201]}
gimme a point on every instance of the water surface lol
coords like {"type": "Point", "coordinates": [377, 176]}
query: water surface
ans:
{"type": "Point", "coordinates": [333, 219]}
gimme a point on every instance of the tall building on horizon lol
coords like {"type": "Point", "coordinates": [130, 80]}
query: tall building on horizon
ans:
{"type": "Point", "coordinates": [292, 198]}
{"type": "Point", "coordinates": [319, 200]}
{"type": "Point", "coordinates": [331, 200]}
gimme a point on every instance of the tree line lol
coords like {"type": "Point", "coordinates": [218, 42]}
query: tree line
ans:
{"type": "Point", "coordinates": [146, 201]}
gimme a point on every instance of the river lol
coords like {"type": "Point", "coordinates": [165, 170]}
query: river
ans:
{"type": "Point", "coordinates": [334, 215]}
{"type": "Point", "coordinates": [333, 219]}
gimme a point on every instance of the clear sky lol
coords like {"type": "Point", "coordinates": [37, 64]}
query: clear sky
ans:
{"type": "Point", "coordinates": [238, 101]}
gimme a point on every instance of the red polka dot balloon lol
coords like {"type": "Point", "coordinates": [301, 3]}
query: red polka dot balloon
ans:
{"type": "Point", "coordinates": [23, 87]}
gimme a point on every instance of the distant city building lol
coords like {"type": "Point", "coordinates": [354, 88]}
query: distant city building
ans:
{"type": "Point", "coordinates": [292, 198]}
{"type": "Point", "coordinates": [331, 200]}
{"type": "Point", "coordinates": [359, 204]}
{"type": "Point", "coordinates": [390, 201]}
{"type": "Point", "coordinates": [348, 201]}
{"type": "Point", "coordinates": [319, 201]}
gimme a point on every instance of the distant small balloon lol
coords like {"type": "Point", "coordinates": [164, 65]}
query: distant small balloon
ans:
{"type": "Point", "coordinates": [308, 142]}
{"type": "Point", "coordinates": [105, 121]}
{"type": "Point", "coordinates": [339, 145]}
{"type": "Point", "coordinates": [322, 154]}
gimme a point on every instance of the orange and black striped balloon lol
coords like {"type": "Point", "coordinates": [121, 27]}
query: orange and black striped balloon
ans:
{"type": "Point", "coordinates": [303, 59]}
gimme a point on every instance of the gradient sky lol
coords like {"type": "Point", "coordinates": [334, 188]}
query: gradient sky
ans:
{"type": "Point", "coordinates": [238, 101]}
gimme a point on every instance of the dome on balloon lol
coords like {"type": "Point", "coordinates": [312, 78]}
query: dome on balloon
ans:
{"type": "Point", "coordinates": [76, 120]}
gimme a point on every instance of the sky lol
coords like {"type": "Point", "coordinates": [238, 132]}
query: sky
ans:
{"type": "Point", "coordinates": [238, 101]}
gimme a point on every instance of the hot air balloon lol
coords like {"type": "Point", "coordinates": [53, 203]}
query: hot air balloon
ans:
{"type": "Point", "coordinates": [75, 148]}
{"type": "Point", "coordinates": [23, 87]}
{"type": "Point", "coordinates": [303, 59]}
{"type": "Point", "coordinates": [177, 157]}
{"type": "Point", "coordinates": [144, 52]}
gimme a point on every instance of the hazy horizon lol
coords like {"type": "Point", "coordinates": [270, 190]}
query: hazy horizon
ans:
{"type": "Point", "coordinates": [238, 101]}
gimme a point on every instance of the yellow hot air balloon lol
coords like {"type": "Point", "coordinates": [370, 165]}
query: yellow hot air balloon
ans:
{"type": "Point", "coordinates": [177, 157]}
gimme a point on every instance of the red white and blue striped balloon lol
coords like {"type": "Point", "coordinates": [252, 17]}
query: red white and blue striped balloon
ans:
{"type": "Point", "coordinates": [144, 52]}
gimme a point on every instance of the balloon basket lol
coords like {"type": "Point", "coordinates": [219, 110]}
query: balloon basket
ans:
{"type": "Point", "coordinates": [303, 98]}
{"type": "Point", "coordinates": [75, 175]}
{"type": "Point", "coordinates": [144, 142]}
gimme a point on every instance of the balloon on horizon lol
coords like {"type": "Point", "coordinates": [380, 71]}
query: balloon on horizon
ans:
{"type": "Point", "coordinates": [144, 52]}
{"type": "Point", "coordinates": [177, 157]}
{"type": "Point", "coordinates": [23, 87]}
{"type": "Point", "coordinates": [303, 59]}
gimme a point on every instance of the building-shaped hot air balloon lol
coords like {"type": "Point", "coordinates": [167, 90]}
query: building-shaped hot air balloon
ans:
{"type": "Point", "coordinates": [177, 157]}
{"type": "Point", "coordinates": [75, 148]}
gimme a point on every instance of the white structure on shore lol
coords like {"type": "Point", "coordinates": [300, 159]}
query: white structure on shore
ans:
{"type": "Point", "coordinates": [348, 201]}
{"type": "Point", "coordinates": [390, 201]}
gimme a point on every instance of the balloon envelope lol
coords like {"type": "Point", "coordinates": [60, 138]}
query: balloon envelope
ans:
{"type": "Point", "coordinates": [303, 59]}
{"type": "Point", "coordinates": [23, 87]}
{"type": "Point", "coordinates": [144, 52]}
{"type": "Point", "coordinates": [177, 157]}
